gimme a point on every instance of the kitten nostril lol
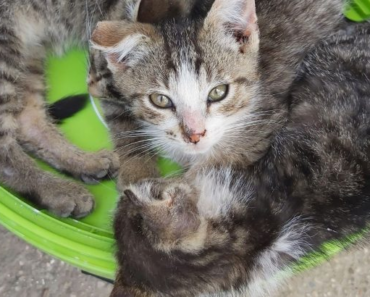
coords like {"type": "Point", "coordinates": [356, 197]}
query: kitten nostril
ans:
{"type": "Point", "coordinates": [195, 138]}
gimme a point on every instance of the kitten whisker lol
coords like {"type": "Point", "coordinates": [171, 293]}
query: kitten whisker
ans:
{"type": "Point", "coordinates": [97, 4]}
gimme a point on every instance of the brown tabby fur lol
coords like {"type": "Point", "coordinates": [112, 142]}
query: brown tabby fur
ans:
{"type": "Point", "coordinates": [265, 75]}
{"type": "Point", "coordinates": [29, 29]}
{"type": "Point", "coordinates": [268, 194]}
{"type": "Point", "coordinates": [234, 231]}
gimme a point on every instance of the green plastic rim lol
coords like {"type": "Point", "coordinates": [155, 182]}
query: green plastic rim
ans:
{"type": "Point", "coordinates": [88, 243]}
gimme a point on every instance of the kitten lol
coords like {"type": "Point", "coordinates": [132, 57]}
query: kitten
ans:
{"type": "Point", "coordinates": [206, 75]}
{"type": "Point", "coordinates": [28, 29]}
{"type": "Point", "coordinates": [234, 231]}
{"type": "Point", "coordinates": [189, 87]}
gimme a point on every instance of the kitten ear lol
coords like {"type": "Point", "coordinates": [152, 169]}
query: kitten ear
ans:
{"type": "Point", "coordinates": [234, 19]}
{"type": "Point", "coordinates": [123, 43]}
{"type": "Point", "coordinates": [185, 213]}
{"type": "Point", "coordinates": [155, 11]}
{"type": "Point", "coordinates": [133, 198]}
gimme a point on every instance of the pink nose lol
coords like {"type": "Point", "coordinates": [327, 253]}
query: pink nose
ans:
{"type": "Point", "coordinates": [195, 137]}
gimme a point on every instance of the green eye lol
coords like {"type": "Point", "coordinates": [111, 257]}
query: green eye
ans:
{"type": "Point", "coordinates": [218, 93]}
{"type": "Point", "coordinates": [161, 101]}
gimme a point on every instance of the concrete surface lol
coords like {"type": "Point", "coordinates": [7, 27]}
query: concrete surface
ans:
{"type": "Point", "coordinates": [345, 275]}
{"type": "Point", "coordinates": [27, 272]}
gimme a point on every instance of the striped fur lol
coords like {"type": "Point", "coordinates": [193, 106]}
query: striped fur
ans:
{"type": "Point", "coordinates": [185, 59]}
{"type": "Point", "coordinates": [251, 201]}
{"type": "Point", "coordinates": [28, 30]}
{"type": "Point", "coordinates": [236, 230]}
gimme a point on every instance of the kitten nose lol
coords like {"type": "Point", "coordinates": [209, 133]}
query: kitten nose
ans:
{"type": "Point", "coordinates": [195, 137]}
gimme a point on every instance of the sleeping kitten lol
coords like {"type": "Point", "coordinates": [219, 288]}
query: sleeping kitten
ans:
{"type": "Point", "coordinates": [189, 87]}
{"type": "Point", "coordinates": [28, 29]}
{"type": "Point", "coordinates": [234, 231]}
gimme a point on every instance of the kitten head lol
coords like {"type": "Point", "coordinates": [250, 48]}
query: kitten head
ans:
{"type": "Point", "coordinates": [162, 241]}
{"type": "Point", "coordinates": [173, 240]}
{"type": "Point", "coordinates": [194, 84]}
{"type": "Point", "coordinates": [169, 217]}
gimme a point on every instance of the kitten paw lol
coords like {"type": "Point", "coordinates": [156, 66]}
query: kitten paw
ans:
{"type": "Point", "coordinates": [67, 199]}
{"type": "Point", "coordinates": [100, 165]}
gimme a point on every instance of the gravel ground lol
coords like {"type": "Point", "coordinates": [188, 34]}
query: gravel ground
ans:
{"type": "Point", "coordinates": [27, 272]}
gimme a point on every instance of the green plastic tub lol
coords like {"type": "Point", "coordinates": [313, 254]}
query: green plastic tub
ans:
{"type": "Point", "coordinates": [88, 243]}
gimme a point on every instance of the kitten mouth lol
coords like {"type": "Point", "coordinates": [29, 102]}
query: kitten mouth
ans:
{"type": "Point", "coordinates": [195, 149]}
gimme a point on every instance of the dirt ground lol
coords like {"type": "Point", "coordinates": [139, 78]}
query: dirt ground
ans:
{"type": "Point", "coordinates": [27, 272]}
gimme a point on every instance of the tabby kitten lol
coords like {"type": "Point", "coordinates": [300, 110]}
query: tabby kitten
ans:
{"type": "Point", "coordinates": [28, 29]}
{"type": "Point", "coordinates": [232, 231]}
{"type": "Point", "coordinates": [210, 97]}
{"type": "Point", "coordinates": [189, 87]}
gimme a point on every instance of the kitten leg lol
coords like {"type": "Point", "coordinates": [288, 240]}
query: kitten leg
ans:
{"type": "Point", "coordinates": [137, 161]}
{"type": "Point", "coordinates": [60, 196]}
{"type": "Point", "coordinates": [40, 136]}
{"type": "Point", "coordinates": [17, 170]}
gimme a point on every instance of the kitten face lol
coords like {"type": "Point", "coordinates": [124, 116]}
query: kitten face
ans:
{"type": "Point", "coordinates": [194, 85]}
{"type": "Point", "coordinates": [191, 123]}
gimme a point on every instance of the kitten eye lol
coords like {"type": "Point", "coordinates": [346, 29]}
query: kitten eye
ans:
{"type": "Point", "coordinates": [218, 93]}
{"type": "Point", "coordinates": [161, 101]}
